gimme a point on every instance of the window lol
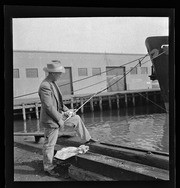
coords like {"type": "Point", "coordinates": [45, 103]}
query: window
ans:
{"type": "Point", "coordinates": [15, 73]}
{"type": "Point", "coordinates": [144, 70]}
{"type": "Point", "coordinates": [82, 71]}
{"type": "Point", "coordinates": [32, 73]}
{"type": "Point", "coordinates": [133, 70]}
{"type": "Point", "coordinates": [96, 71]}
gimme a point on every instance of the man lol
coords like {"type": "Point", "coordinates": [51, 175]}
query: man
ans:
{"type": "Point", "coordinates": [53, 115]}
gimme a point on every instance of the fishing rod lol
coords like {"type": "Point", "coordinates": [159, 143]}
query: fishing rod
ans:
{"type": "Point", "coordinates": [82, 105]}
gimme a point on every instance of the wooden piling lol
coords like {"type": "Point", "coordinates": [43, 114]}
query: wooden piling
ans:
{"type": "Point", "coordinates": [125, 98]}
{"type": "Point", "coordinates": [110, 104]}
{"type": "Point", "coordinates": [24, 112]}
{"type": "Point", "coordinates": [25, 127]}
{"type": "Point", "coordinates": [37, 112]}
{"type": "Point", "coordinates": [72, 103]}
{"type": "Point", "coordinates": [117, 101]}
{"type": "Point", "coordinates": [38, 126]}
{"type": "Point", "coordinates": [100, 103]}
{"type": "Point", "coordinates": [133, 99]}
{"type": "Point", "coordinates": [91, 105]}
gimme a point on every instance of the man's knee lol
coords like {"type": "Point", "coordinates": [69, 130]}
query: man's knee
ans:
{"type": "Point", "coordinates": [77, 117]}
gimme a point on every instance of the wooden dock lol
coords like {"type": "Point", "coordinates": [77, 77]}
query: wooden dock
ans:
{"type": "Point", "coordinates": [105, 100]}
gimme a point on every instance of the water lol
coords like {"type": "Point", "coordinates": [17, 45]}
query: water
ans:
{"type": "Point", "coordinates": [140, 127]}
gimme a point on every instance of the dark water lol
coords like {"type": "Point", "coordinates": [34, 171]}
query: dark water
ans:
{"type": "Point", "coordinates": [140, 127]}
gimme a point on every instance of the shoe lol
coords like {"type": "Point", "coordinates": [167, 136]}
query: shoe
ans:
{"type": "Point", "coordinates": [91, 141]}
{"type": "Point", "coordinates": [52, 173]}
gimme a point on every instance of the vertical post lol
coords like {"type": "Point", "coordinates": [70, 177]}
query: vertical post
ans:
{"type": "Point", "coordinates": [110, 105]}
{"type": "Point", "coordinates": [37, 113]}
{"type": "Point", "coordinates": [25, 127]}
{"type": "Point", "coordinates": [72, 103]}
{"type": "Point", "coordinates": [91, 105]}
{"type": "Point", "coordinates": [133, 99]}
{"type": "Point", "coordinates": [81, 103]}
{"type": "Point", "coordinates": [117, 101]}
{"type": "Point", "coordinates": [125, 98]}
{"type": "Point", "coordinates": [24, 112]}
{"type": "Point", "coordinates": [38, 126]}
{"type": "Point", "coordinates": [100, 103]}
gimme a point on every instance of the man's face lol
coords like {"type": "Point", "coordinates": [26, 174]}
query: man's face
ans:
{"type": "Point", "coordinates": [57, 75]}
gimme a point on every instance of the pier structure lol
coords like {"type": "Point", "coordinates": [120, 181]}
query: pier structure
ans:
{"type": "Point", "coordinates": [102, 101]}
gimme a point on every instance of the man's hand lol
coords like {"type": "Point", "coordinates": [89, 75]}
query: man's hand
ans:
{"type": "Point", "coordinates": [70, 112]}
{"type": "Point", "coordinates": [61, 124]}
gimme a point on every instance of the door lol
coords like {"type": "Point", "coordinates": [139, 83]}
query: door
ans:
{"type": "Point", "coordinates": [115, 78]}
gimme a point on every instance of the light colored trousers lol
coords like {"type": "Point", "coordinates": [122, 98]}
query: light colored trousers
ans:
{"type": "Point", "coordinates": [51, 136]}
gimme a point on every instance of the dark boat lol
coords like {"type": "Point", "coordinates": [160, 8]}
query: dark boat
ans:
{"type": "Point", "coordinates": [158, 51]}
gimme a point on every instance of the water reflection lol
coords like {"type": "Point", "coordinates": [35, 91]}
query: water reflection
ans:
{"type": "Point", "coordinates": [141, 127]}
{"type": "Point", "coordinates": [133, 127]}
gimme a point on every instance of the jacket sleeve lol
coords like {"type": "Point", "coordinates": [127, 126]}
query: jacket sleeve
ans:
{"type": "Point", "coordinates": [46, 100]}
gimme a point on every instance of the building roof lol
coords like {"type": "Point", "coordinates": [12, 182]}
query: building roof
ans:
{"type": "Point", "coordinates": [70, 52]}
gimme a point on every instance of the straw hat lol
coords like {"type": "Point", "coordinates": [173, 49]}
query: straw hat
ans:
{"type": "Point", "coordinates": [55, 66]}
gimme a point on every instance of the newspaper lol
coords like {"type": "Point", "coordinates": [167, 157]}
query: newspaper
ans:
{"type": "Point", "coordinates": [68, 152]}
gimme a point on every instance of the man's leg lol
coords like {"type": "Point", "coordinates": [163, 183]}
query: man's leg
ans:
{"type": "Point", "coordinates": [50, 139]}
{"type": "Point", "coordinates": [79, 127]}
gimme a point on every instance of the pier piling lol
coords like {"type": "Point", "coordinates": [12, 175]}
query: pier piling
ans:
{"type": "Point", "coordinates": [110, 98]}
{"type": "Point", "coordinates": [100, 103]}
{"type": "Point", "coordinates": [72, 106]}
{"type": "Point", "coordinates": [117, 101]}
{"type": "Point", "coordinates": [37, 112]}
{"type": "Point", "coordinates": [125, 98]}
{"type": "Point", "coordinates": [91, 105]}
{"type": "Point", "coordinates": [133, 99]}
{"type": "Point", "coordinates": [110, 104]}
{"type": "Point", "coordinates": [24, 112]}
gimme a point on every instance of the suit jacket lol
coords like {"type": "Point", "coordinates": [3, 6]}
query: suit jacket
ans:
{"type": "Point", "coordinates": [51, 104]}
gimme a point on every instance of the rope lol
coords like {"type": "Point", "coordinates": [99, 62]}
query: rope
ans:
{"type": "Point", "coordinates": [111, 78]}
{"type": "Point", "coordinates": [139, 63]}
{"type": "Point", "coordinates": [122, 78]}
{"type": "Point", "coordinates": [86, 77]}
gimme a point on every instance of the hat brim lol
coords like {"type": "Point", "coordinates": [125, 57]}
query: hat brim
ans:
{"type": "Point", "coordinates": [59, 69]}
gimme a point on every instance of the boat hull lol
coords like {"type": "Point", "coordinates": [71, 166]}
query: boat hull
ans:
{"type": "Point", "coordinates": [158, 50]}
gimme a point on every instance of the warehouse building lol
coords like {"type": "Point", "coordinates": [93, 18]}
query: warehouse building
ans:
{"type": "Point", "coordinates": [85, 72]}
